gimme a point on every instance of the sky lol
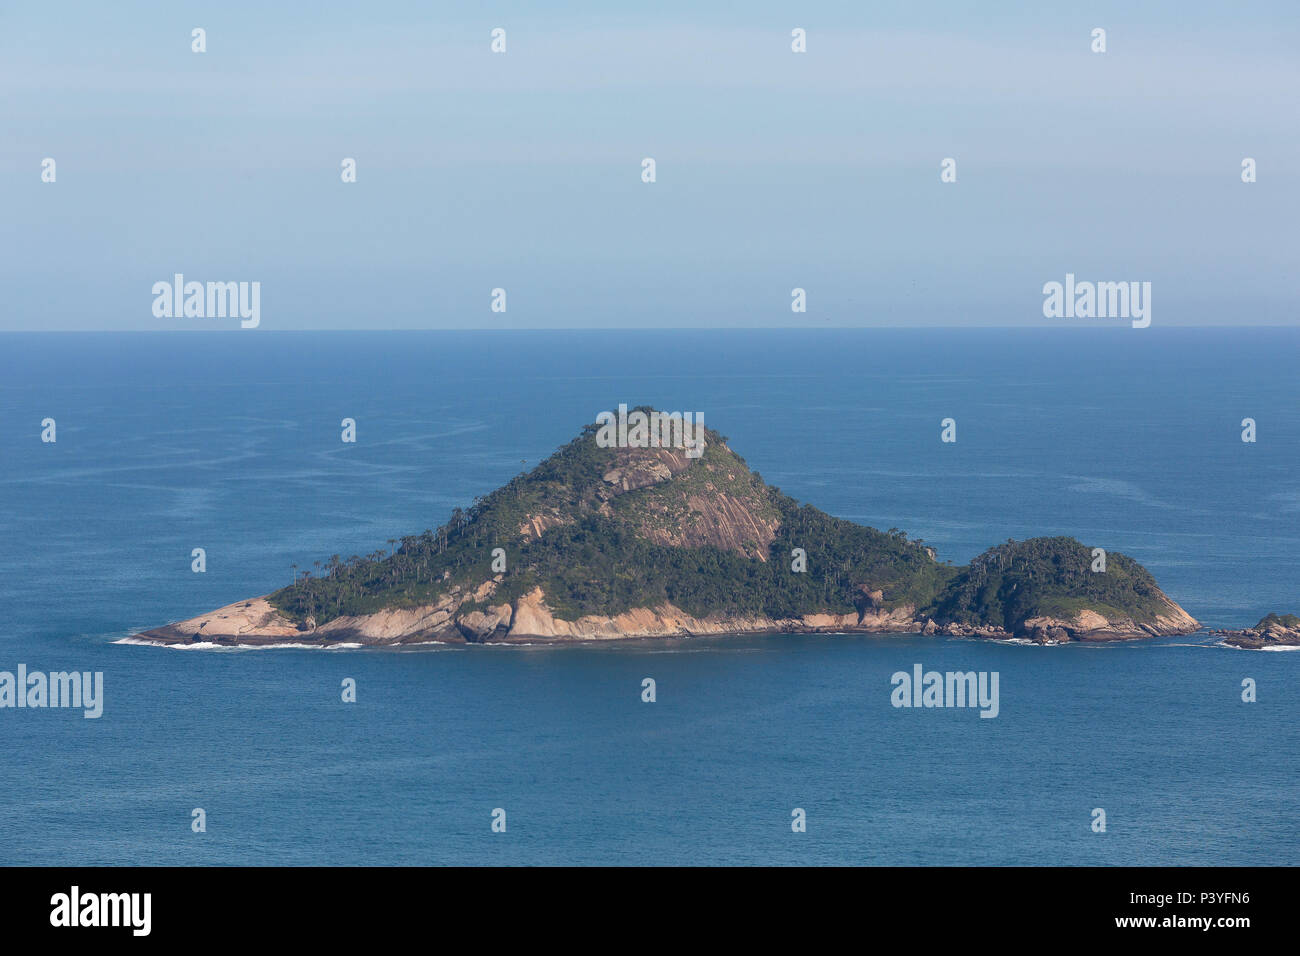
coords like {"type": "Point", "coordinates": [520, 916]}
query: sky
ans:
{"type": "Point", "coordinates": [522, 170]}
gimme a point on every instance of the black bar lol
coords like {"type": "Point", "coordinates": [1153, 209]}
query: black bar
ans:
{"type": "Point", "coordinates": [972, 905]}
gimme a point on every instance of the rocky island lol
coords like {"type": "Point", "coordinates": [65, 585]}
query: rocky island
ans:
{"type": "Point", "coordinates": [1273, 630]}
{"type": "Point", "coordinates": [599, 543]}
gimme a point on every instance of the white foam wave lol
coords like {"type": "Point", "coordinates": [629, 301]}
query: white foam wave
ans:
{"type": "Point", "coordinates": [1271, 647]}
{"type": "Point", "coordinates": [211, 646]}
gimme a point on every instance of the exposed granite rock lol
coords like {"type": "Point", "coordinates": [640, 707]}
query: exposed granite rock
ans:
{"type": "Point", "coordinates": [1267, 633]}
{"type": "Point", "coordinates": [1091, 626]}
{"type": "Point", "coordinates": [461, 619]}
{"type": "Point", "coordinates": [530, 619]}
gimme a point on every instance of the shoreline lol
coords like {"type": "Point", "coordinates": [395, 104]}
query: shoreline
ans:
{"type": "Point", "coordinates": [1261, 639]}
{"type": "Point", "coordinates": [134, 641]}
{"type": "Point", "coordinates": [256, 623]}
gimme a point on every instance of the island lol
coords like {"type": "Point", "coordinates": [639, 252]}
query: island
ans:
{"type": "Point", "coordinates": [1272, 631]}
{"type": "Point", "coordinates": [656, 539]}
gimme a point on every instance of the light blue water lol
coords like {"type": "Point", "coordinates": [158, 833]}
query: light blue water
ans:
{"type": "Point", "coordinates": [1127, 439]}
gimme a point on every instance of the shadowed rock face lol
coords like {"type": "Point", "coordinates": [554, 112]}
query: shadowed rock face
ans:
{"type": "Point", "coordinates": [639, 509]}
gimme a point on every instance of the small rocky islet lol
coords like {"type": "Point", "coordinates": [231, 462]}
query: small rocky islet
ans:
{"type": "Point", "coordinates": [1272, 631]}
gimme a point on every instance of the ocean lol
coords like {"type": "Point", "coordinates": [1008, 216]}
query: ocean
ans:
{"type": "Point", "coordinates": [1128, 439]}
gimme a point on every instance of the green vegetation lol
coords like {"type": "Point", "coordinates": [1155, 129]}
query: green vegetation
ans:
{"type": "Point", "coordinates": [1051, 577]}
{"type": "Point", "coordinates": [599, 566]}
{"type": "Point", "coordinates": [424, 567]}
{"type": "Point", "coordinates": [602, 550]}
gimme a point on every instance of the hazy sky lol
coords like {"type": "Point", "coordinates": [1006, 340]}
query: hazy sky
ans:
{"type": "Point", "coordinates": [523, 170]}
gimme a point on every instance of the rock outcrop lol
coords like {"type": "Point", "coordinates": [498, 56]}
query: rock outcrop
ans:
{"type": "Point", "coordinates": [529, 619]}
{"type": "Point", "coordinates": [1091, 626]}
{"type": "Point", "coordinates": [1274, 631]}
{"type": "Point", "coordinates": [460, 619]}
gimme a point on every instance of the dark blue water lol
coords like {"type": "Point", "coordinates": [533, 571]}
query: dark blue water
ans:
{"type": "Point", "coordinates": [1127, 439]}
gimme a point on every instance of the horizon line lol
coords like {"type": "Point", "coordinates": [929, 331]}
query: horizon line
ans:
{"type": "Point", "coordinates": [649, 328]}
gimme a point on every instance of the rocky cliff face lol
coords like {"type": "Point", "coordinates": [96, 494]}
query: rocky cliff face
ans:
{"type": "Point", "coordinates": [1090, 626]}
{"type": "Point", "coordinates": [689, 503]}
{"type": "Point", "coordinates": [530, 619]}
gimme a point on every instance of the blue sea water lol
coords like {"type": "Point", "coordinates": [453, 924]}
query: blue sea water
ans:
{"type": "Point", "coordinates": [1129, 440]}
